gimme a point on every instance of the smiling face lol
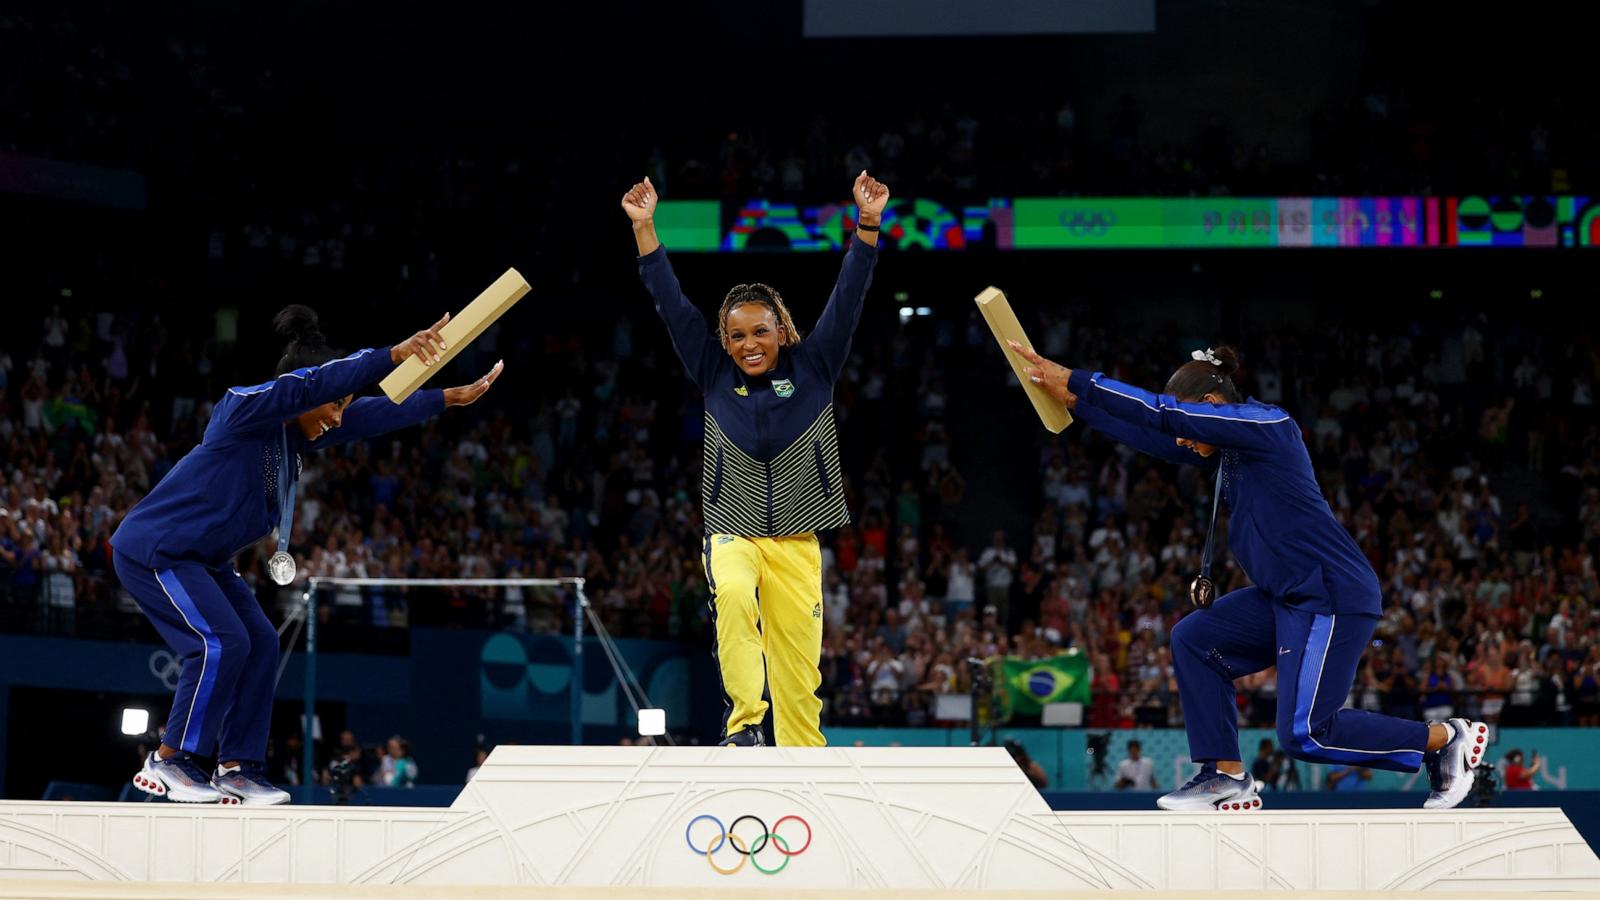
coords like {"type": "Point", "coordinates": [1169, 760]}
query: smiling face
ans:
{"type": "Point", "coordinates": [314, 423]}
{"type": "Point", "coordinates": [754, 337]}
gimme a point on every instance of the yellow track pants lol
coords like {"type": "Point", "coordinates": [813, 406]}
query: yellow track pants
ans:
{"type": "Point", "coordinates": [766, 603]}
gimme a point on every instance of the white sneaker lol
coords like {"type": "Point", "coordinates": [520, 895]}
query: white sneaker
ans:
{"type": "Point", "coordinates": [1451, 772]}
{"type": "Point", "coordinates": [247, 785]}
{"type": "Point", "coordinates": [175, 778]}
{"type": "Point", "coordinates": [1212, 790]}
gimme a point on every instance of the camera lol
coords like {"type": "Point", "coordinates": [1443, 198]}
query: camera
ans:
{"type": "Point", "coordinates": [1483, 785]}
{"type": "Point", "coordinates": [341, 779]}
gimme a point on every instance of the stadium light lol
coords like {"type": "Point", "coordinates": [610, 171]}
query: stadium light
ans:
{"type": "Point", "coordinates": [135, 721]}
{"type": "Point", "coordinates": [652, 722]}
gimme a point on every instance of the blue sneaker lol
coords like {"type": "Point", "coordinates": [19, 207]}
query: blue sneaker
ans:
{"type": "Point", "coordinates": [1212, 790]}
{"type": "Point", "coordinates": [175, 778]}
{"type": "Point", "coordinates": [248, 785]}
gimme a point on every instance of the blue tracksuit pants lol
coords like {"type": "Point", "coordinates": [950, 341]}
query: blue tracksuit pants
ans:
{"type": "Point", "coordinates": [1246, 631]}
{"type": "Point", "coordinates": [229, 653]}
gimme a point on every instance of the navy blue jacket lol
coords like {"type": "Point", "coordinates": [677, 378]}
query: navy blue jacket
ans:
{"type": "Point", "coordinates": [1280, 528]}
{"type": "Point", "coordinates": [223, 495]}
{"type": "Point", "coordinates": [771, 450]}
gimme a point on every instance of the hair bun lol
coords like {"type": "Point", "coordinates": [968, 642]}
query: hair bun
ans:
{"type": "Point", "coordinates": [1227, 359]}
{"type": "Point", "coordinates": [298, 323]}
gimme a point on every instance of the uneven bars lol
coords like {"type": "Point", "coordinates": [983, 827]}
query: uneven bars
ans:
{"type": "Point", "coordinates": [318, 581]}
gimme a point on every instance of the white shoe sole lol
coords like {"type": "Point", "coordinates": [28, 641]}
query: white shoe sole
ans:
{"type": "Point", "coordinates": [145, 781]}
{"type": "Point", "coordinates": [1236, 804]}
{"type": "Point", "coordinates": [235, 799]}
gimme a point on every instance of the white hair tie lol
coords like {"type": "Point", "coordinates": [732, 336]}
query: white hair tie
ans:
{"type": "Point", "coordinates": [1207, 356]}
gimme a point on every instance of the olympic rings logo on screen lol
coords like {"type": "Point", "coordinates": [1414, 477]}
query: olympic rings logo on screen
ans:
{"type": "Point", "coordinates": [1088, 223]}
{"type": "Point", "coordinates": [748, 850]}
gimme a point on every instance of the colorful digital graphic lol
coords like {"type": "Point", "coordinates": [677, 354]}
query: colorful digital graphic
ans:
{"type": "Point", "coordinates": [1144, 223]}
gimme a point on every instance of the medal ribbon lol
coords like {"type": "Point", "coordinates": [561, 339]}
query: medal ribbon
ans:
{"type": "Point", "coordinates": [285, 496]}
{"type": "Point", "coordinates": [1211, 530]}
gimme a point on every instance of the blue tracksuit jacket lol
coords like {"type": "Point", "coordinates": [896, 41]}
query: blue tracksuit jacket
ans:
{"type": "Point", "coordinates": [1280, 530]}
{"type": "Point", "coordinates": [223, 496]}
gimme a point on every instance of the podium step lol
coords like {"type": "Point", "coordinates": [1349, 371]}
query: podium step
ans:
{"type": "Point", "coordinates": [791, 818]}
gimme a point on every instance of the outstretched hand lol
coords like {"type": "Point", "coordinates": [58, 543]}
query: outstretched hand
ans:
{"type": "Point", "coordinates": [426, 345]}
{"type": "Point", "coordinates": [469, 393]}
{"type": "Point", "coordinates": [1046, 374]}
{"type": "Point", "coordinates": [640, 202]}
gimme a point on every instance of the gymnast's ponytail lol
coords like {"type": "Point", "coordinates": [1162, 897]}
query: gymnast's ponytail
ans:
{"type": "Point", "coordinates": [1210, 372]}
{"type": "Point", "coordinates": [306, 346]}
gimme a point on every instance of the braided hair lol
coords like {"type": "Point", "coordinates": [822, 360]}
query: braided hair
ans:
{"type": "Point", "coordinates": [306, 346]}
{"type": "Point", "coordinates": [765, 296]}
{"type": "Point", "coordinates": [1210, 372]}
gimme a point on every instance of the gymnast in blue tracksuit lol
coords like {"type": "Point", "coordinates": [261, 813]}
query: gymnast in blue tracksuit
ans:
{"type": "Point", "coordinates": [174, 550]}
{"type": "Point", "coordinates": [1313, 603]}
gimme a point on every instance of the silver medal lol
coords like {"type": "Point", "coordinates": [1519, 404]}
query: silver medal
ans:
{"type": "Point", "coordinates": [281, 567]}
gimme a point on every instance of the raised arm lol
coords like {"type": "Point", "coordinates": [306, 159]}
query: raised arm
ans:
{"type": "Point", "coordinates": [372, 416]}
{"type": "Point", "coordinates": [1243, 426]}
{"type": "Point", "coordinates": [830, 340]}
{"type": "Point", "coordinates": [1150, 443]}
{"type": "Point", "coordinates": [292, 393]}
{"type": "Point", "coordinates": [691, 335]}
{"type": "Point", "coordinates": [1240, 426]}
{"type": "Point", "coordinates": [369, 417]}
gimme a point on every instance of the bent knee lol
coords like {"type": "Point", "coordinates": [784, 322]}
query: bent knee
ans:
{"type": "Point", "coordinates": [236, 646]}
{"type": "Point", "coordinates": [1184, 633]}
{"type": "Point", "coordinates": [1301, 744]}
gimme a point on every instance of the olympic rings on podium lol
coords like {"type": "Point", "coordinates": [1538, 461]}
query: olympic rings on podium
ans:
{"type": "Point", "coordinates": [747, 851]}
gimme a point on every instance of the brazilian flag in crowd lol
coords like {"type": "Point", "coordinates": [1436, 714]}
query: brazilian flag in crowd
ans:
{"type": "Point", "coordinates": [1026, 685]}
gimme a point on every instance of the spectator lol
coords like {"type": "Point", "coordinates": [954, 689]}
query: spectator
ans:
{"type": "Point", "coordinates": [999, 564]}
{"type": "Point", "coordinates": [1264, 767]}
{"type": "Point", "coordinates": [1517, 777]}
{"type": "Point", "coordinates": [1029, 766]}
{"type": "Point", "coordinates": [1348, 778]}
{"type": "Point", "coordinates": [1137, 771]}
{"type": "Point", "coordinates": [398, 768]}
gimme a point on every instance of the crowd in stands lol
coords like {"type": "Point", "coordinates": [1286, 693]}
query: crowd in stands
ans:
{"type": "Point", "coordinates": [1489, 602]}
{"type": "Point", "coordinates": [1467, 467]}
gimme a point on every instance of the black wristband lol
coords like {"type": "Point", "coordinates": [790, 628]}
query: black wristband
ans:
{"type": "Point", "coordinates": [862, 226]}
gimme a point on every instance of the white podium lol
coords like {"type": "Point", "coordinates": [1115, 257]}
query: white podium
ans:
{"type": "Point", "coordinates": [849, 818]}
